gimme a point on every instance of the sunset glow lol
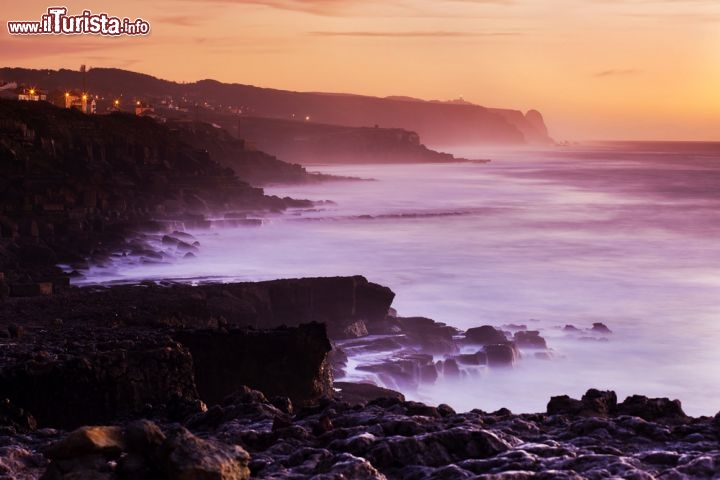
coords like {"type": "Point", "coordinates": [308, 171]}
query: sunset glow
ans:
{"type": "Point", "coordinates": [597, 69]}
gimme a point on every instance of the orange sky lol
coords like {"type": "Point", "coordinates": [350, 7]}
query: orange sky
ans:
{"type": "Point", "coordinates": [597, 69]}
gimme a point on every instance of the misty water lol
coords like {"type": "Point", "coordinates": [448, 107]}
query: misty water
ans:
{"type": "Point", "coordinates": [624, 234]}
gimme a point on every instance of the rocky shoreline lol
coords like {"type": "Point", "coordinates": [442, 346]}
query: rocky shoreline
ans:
{"type": "Point", "coordinates": [229, 381]}
{"type": "Point", "coordinates": [294, 378]}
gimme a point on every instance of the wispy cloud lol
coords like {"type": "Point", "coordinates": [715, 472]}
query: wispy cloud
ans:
{"type": "Point", "coordinates": [413, 34]}
{"type": "Point", "coordinates": [317, 7]}
{"type": "Point", "coordinates": [180, 20]}
{"type": "Point", "coordinates": [616, 72]}
{"type": "Point", "coordinates": [334, 8]}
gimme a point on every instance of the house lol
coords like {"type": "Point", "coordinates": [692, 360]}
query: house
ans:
{"type": "Point", "coordinates": [31, 95]}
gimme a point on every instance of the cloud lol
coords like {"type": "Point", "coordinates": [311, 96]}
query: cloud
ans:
{"type": "Point", "coordinates": [334, 8]}
{"type": "Point", "coordinates": [317, 7]}
{"type": "Point", "coordinates": [616, 72]}
{"type": "Point", "coordinates": [180, 20]}
{"type": "Point", "coordinates": [411, 34]}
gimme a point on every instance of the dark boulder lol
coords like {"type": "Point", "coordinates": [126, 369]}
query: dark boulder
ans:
{"type": "Point", "coordinates": [428, 335]}
{"type": "Point", "coordinates": [529, 339]}
{"type": "Point", "coordinates": [599, 327]}
{"type": "Point", "coordinates": [600, 402]}
{"type": "Point", "coordinates": [501, 355]}
{"type": "Point", "coordinates": [652, 409]}
{"type": "Point", "coordinates": [593, 403]}
{"type": "Point", "coordinates": [485, 335]}
{"type": "Point", "coordinates": [184, 456]}
{"type": "Point", "coordinates": [564, 405]}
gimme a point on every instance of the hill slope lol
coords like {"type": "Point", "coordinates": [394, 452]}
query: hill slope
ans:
{"type": "Point", "coordinates": [437, 123]}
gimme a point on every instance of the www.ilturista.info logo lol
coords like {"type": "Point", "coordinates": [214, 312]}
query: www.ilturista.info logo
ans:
{"type": "Point", "coordinates": [58, 22]}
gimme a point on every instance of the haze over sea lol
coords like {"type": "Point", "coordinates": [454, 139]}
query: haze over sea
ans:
{"type": "Point", "coordinates": [620, 233]}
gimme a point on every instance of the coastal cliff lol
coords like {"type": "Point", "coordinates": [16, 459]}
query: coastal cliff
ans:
{"type": "Point", "coordinates": [438, 123]}
{"type": "Point", "coordinates": [78, 188]}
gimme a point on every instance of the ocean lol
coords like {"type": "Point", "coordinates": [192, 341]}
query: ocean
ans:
{"type": "Point", "coordinates": [620, 233]}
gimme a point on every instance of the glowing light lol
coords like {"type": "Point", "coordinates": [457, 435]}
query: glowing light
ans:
{"type": "Point", "coordinates": [84, 97]}
{"type": "Point", "coordinates": [307, 119]}
{"type": "Point", "coordinates": [138, 103]}
{"type": "Point", "coordinates": [67, 94]}
{"type": "Point", "coordinates": [116, 103]}
{"type": "Point", "coordinates": [32, 91]}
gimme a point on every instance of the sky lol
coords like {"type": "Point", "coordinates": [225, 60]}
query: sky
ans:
{"type": "Point", "coordinates": [596, 69]}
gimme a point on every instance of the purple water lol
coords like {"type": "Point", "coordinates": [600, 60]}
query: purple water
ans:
{"type": "Point", "coordinates": [624, 234]}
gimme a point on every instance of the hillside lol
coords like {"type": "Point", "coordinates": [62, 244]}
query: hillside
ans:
{"type": "Point", "coordinates": [438, 123]}
{"type": "Point", "coordinates": [74, 187]}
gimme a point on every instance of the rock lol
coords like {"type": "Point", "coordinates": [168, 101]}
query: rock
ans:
{"type": "Point", "coordinates": [593, 403]}
{"type": "Point", "coordinates": [361, 393]}
{"type": "Point", "coordinates": [449, 368]}
{"type": "Point", "coordinates": [284, 404]}
{"type": "Point", "coordinates": [99, 375]}
{"type": "Point", "coordinates": [600, 402]}
{"type": "Point", "coordinates": [288, 362]}
{"type": "Point", "coordinates": [427, 335]}
{"type": "Point", "coordinates": [563, 405]}
{"type": "Point", "coordinates": [477, 358]}
{"type": "Point", "coordinates": [183, 247]}
{"type": "Point", "coordinates": [16, 331]}
{"type": "Point", "coordinates": [397, 373]}
{"type": "Point", "coordinates": [485, 335]}
{"type": "Point", "coordinates": [16, 418]}
{"type": "Point", "coordinates": [529, 339]}
{"type": "Point", "coordinates": [372, 344]}
{"type": "Point", "coordinates": [169, 240]}
{"type": "Point", "coordinates": [501, 355]}
{"type": "Point", "coordinates": [354, 330]}
{"type": "Point", "coordinates": [599, 327]}
{"type": "Point", "coordinates": [437, 448]}
{"type": "Point", "coordinates": [108, 441]}
{"type": "Point", "coordinates": [349, 466]}
{"type": "Point", "coordinates": [652, 409]}
{"type": "Point", "coordinates": [183, 456]}
{"type": "Point", "coordinates": [143, 436]}
{"type": "Point", "coordinates": [428, 373]}
{"type": "Point", "coordinates": [344, 304]}
{"type": "Point", "coordinates": [337, 359]}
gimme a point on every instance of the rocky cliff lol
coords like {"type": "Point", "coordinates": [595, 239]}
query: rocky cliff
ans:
{"type": "Point", "coordinates": [311, 142]}
{"type": "Point", "coordinates": [74, 186]}
{"type": "Point", "coordinates": [438, 123]}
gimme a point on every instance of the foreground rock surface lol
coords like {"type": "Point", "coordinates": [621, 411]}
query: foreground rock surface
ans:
{"type": "Point", "coordinates": [384, 438]}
